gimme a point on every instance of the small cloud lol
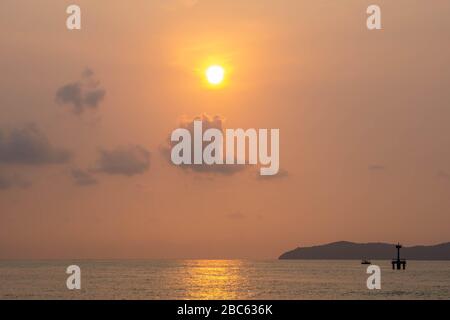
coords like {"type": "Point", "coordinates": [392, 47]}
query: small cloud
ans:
{"type": "Point", "coordinates": [87, 73]}
{"type": "Point", "coordinates": [83, 178]}
{"type": "Point", "coordinates": [93, 98]}
{"type": "Point", "coordinates": [28, 145]}
{"type": "Point", "coordinates": [82, 94]}
{"type": "Point", "coordinates": [128, 160]}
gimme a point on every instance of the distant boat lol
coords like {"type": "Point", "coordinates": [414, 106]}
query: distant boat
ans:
{"type": "Point", "coordinates": [366, 262]}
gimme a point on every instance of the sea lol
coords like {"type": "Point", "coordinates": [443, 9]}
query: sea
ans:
{"type": "Point", "coordinates": [223, 279]}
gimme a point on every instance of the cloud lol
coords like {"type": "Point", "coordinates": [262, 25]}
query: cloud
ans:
{"type": "Point", "coordinates": [82, 94]}
{"type": "Point", "coordinates": [83, 178]}
{"type": "Point", "coordinates": [87, 73]}
{"type": "Point", "coordinates": [128, 160]}
{"type": "Point", "coordinates": [28, 145]}
{"type": "Point", "coordinates": [207, 123]}
{"type": "Point", "coordinates": [7, 182]}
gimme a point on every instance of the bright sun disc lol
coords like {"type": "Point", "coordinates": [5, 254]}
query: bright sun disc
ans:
{"type": "Point", "coordinates": [215, 74]}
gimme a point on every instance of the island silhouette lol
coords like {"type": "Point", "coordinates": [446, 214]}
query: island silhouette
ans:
{"type": "Point", "coordinates": [345, 250]}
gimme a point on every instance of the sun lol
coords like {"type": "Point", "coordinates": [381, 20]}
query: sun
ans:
{"type": "Point", "coordinates": [215, 74]}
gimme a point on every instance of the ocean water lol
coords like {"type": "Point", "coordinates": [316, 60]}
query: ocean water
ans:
{"type": "Point", "coordinates": [222, 279]}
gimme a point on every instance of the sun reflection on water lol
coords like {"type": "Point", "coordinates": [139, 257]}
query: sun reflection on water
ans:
{"type": "Point", "coordinates": [214, 279]}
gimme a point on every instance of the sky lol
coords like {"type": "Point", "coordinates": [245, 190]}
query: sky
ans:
{"type": "Point", "coordinates": [85, 118]}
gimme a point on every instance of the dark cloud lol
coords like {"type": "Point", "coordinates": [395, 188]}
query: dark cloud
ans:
{"type": "Point", "coordinates": [83, 178]}
{"type": "Point", "coordinates": [28, 145]}
{"type": "Point", "coordinates": [129, 160]}
{"type": "Point", "coordinates": [93, 98]}
{"type": "Point", "coordinates": [83, 94]}
{"type": "Point", "coordinates": [14, 180]}
{"type": "Point", "coordinates": [208, 122]}
{"type": "Point", "coordinates": [87, 73]}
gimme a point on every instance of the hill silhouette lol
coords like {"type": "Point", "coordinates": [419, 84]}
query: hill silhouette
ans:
{"type": "Point", "coordinates": [376, 251]}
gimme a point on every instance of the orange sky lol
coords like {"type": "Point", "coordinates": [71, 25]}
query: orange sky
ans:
{"type": "Point", "coordinates": [363, 118]}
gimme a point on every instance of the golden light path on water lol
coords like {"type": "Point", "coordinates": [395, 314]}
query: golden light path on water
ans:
{"type": "Point", "coordinates": [214, 279]}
